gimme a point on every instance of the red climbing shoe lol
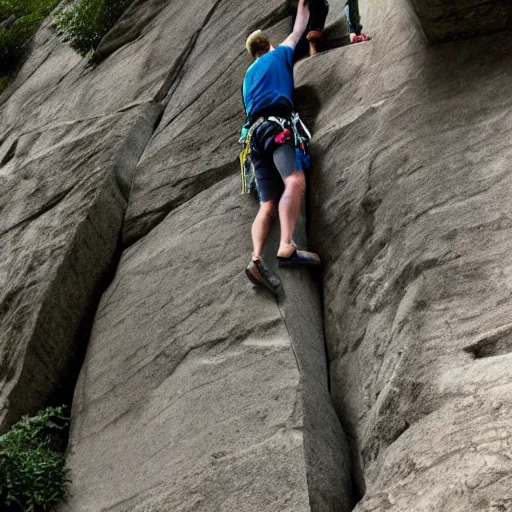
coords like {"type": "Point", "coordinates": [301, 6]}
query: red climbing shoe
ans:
{"type": "Point", "coordinates": [355, 38]}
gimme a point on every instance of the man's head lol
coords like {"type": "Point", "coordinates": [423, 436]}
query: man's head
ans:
{"type": "Point", "coordinates": [257, 44]}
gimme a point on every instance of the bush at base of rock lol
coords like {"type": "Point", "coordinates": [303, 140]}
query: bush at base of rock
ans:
{"type": "Point", "coordinates": [84, 24]}
{"type": "Point", "coordinates": [33, 474]}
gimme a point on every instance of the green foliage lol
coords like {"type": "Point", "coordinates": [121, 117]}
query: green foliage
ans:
{"type": "Point", "coordinates": [4, 82]}
{"type": "Point", "coordinates": [23, 18]}
{"type": "Point", "coordinates": [83, 24]}
{"type": "Point", "coordinates": [33, 475]}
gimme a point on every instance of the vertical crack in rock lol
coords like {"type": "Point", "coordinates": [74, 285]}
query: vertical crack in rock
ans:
{"type": "Point", "coordinates": [326, 449]}
{"type": "Point", "coordinates": [172, 79]}
{"type": "Point", "coordinates": [418, 365]}
{"type": "Point", "coordinates": [9, 155]}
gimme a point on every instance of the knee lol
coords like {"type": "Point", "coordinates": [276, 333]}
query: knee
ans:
{"type": "Point", "coordinates": [267, 208]}
{"type": "Point", "coordinates": [296, 181]}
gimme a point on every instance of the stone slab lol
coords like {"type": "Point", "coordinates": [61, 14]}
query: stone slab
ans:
{"type": "Point", "coordinates": [63, 193]}
{"type": "Point", "coordinates": [196, 389]}
{"type": "Point", "coordinates": [409, 187]}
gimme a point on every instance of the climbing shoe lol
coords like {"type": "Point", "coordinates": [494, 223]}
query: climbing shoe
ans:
{"type": "Point", "coordinates": [260, 275]}
{"type": "Point", "coordinates": [358, 38]}
{"type": "Point", "coordinates": [299, 257]}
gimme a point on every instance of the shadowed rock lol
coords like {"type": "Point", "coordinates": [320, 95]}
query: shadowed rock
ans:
{"type": "Point", "coordinates": [459, 19]}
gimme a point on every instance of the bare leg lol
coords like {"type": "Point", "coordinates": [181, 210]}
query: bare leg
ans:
{"type": "Point", "coordinates": [289, 209]}
{"type": "Point", "coordinates": [261, 227]}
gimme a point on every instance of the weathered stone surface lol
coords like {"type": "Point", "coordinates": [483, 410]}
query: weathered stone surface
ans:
{"type": "Point", "coordinates": [411, 214]}
{"type": "Point", "coordinates": [56, 84]}
{"type": "Point", "coordinates": [199, 392]}
{"type": "Point", "coordinates": [220, 400]}
{"type": "Point", "coordinates": [444, 20]}
{"type": "Point", "coordinates": [63, 193]}
{"type": "Point", "coordinates": [56, 87]}
{"type": "Point", "coordinates": [71, 113]}
{"type": "Point", "coordinates": [196, 142]}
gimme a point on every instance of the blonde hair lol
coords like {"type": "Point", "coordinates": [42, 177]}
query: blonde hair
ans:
{"type": "Point", "coordinates": [257, 43]}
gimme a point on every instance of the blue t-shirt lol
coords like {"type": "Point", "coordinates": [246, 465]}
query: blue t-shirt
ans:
{"type": "Point", "coordinates": [269, 80]}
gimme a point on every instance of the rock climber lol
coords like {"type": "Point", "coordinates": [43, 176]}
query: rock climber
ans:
{"type": "Point", "coordinates": [267, 94]}
{"type": "Point", "coordinates": [314, 31]}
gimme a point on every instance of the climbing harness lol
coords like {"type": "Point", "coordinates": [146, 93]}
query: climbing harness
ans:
{"type": "Point", "coordinates": [301, 136]}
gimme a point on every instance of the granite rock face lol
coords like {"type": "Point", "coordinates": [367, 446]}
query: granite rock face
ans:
{"type": "Point", "coordinates": [444, 20]}
{"type": "Point", "coordinates": [69, 131]}
{"type": "Point", "coordinates": [210, 395]}
{"type": "Point", "coordinates": [63, 193]}
{"type": "Point", "coordinates": [410, 211]}
{"type": "Point", "coordinates": [70, 138]}
{"type": "Point", "coordinates": [199, 392]}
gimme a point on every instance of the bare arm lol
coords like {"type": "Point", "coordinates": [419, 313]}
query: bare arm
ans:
{"type": "Point", "coordinates": [301, 22]}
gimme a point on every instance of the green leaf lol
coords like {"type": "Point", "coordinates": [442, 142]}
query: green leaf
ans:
{"type": "Point", "coordinates": [33, 475]}
{"type": "Point", "coordinates": [27, 15]}
{"type": "Point", "coordinates": [83, 24]}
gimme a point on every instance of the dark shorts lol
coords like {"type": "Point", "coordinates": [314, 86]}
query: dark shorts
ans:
{"type": "Point", "coordinates": [272, 163]}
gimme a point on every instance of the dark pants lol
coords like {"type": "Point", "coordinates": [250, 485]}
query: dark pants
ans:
{"type": "Point", "coordinates": [353, 17]}
{"type": "Point", "coordinates": [318, 10]}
